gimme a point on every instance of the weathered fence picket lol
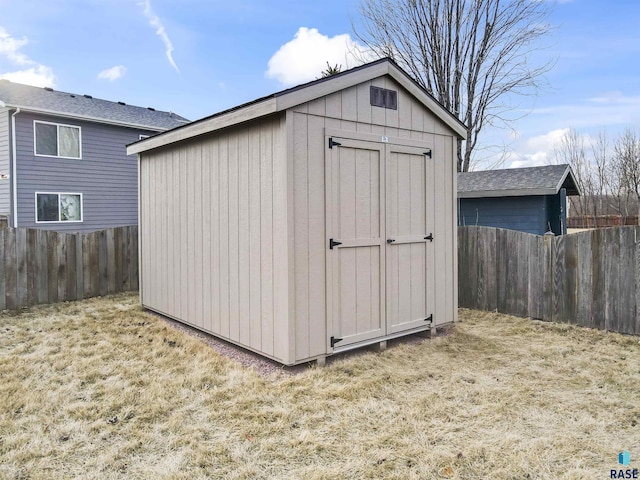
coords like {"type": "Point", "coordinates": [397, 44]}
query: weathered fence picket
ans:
{"type": "Point", "coordinates": [40, 266]}
{"type": "Point", "coordinates": [589, 278]}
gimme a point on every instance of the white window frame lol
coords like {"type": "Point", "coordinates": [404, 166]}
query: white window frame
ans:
{"type": "Point", "coordinates": [59, 221]}
{"type": "Point", "coordinates": [58, 125]}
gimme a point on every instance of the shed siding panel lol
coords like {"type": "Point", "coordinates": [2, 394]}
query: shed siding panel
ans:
{"type": "Point", "coordinates": [526, 214]}
{"type": "Point", "coordinates": [5, 162]}
{"type": "Point", "coordinates": [308, 202]}
{"type": "Point", "coordinates": [223, 225]}
{"type": "Point", "coordinates": [105, 175]}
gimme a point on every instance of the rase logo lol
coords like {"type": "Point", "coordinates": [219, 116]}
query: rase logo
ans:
{"type": "Point", "coordinates": [624, 459]}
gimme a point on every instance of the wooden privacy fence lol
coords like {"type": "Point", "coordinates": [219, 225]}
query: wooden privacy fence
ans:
{"type": "Point", "coordinates": [40, 266]}
{"type": "Point", "coordinates": [589, 278]}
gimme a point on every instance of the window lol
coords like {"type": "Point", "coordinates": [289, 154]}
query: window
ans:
{"type": "Point", "coordinates": [56, 140]}
{"type": "Point", "coordinates": [58, 207]}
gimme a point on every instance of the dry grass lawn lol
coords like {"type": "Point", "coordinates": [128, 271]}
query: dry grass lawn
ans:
{"type": "Point", "coordinates": [100, 389]}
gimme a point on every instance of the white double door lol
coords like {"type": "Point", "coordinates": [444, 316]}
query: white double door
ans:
{"type": "Point", "coordinates": [379, 204]}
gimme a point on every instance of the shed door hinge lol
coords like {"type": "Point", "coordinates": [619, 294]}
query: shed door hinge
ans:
{"type": "Point", "coordinates": [429, 318]}
{"type": "Point", "coordinates": [429, 237]}
{"type": "Point", "coordinates": [428, 153]}
{"type": "Point", "coordinates": [333, 143]}
{"type": "Point", "coordinates": [335, 340]}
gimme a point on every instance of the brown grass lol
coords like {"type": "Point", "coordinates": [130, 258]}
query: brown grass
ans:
{"type": "Point", "coordinates": [100, 389]}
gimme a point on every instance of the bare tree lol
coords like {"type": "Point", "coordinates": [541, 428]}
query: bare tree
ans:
{"type": "Point", "coordinates": [627, 166]}
{"type": "Point", "coordinates": [570, 149]}
{"type": "Point", "coordinates": [472, 55]}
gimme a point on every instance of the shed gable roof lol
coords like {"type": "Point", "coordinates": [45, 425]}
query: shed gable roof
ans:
{"type": "Point", "coordinates": [85, 107]}
{"type": "Point", "coordinates": [512, 182]}
{"type": "Point", "coordinates": [298, 95]}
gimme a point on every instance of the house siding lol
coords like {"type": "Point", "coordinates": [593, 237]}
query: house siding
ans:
{"type": "Point", "coordinates": [105, 175]}
{"type": "Point", "coordinates": [5, 162]}
{"type": "Point", "coordinates": [349, 110]}
{"type": "Point", "coordinates": [526, 214]}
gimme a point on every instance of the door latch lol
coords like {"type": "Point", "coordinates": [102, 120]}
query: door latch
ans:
{"type": "Point", "coordinates": [391, 240]}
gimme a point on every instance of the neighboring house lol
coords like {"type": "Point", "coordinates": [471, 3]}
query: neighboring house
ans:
{"type": "Point", "coordinates": [531, 199]}
{"type": "Point", "coordinates": [63, 159]}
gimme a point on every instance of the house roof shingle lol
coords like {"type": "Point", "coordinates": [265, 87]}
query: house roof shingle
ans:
{"type": "Point", "coordinates": [547, 180]}
{"type": "Point", "coordinates": [46, 100]}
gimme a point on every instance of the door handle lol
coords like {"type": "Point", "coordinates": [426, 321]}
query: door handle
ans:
{"type": "Point", "coordinates": [390, 240]}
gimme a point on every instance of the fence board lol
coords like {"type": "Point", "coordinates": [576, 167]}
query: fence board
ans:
{"type": "Point", "coordinates": [612, 277]}
{"type": "Point", "coordinates": [52, 265]}
{"type": "Point", "coordinates": [103, 268]}
{"type": "Point", "coordinates": [79, 267]}
{"type": "Point", "coordinates": [559, 314]}
{"type": "Point", "coordinates": [71, 266]}
{"type": "Point", "coordinates": [90, 265]}
{"type": "Point", "coordinates": [598, 278]}
{"type": "Point", "coordinates": [3, 299]}
{"type": "Point", "coordinates": [627, 286]}
{"type": "Point", "coordinates": [61, 258]}
{"type": "Point", "coordinates": [111, 261]}
{"type": "Point", "coordinates": [21, 258]}
{"type": "Point", "coordinates": [636, 263]}
{"type": "Point", "coordinates": [589, 278]}
{"type": "Point", "coordinates": [33, 267]}
{"type": "Point", "coordinates": [489, 298]}
{"type": "Point", "coordinates": [522, 274]}
{"type": "Point", "coordinates": [133, 264]}
{"type": "Point", "coordinates": [584, 287]}
{"type": "Point", "coordinates": [547, 278]}
{"type": "Point", "coordinates": [535, 278]}
{"type": "Point", "coordinates": [502, 272]}
{"type": "Point", "coordinates": [11, 269]}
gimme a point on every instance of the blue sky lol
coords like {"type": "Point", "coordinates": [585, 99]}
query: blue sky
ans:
{"type": "Point", "coordinates": [197, 57]}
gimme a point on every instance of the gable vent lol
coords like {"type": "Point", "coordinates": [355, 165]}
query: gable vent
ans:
{"type": "Point", "coordinates": [382, 97]}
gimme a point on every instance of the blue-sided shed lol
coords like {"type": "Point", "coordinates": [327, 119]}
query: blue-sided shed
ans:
{"type": "Point", "coordinates": [532, 200]}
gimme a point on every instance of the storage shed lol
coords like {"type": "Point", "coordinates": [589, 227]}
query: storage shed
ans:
{"type": "Point", "coordinates": [308, 222]}
{"type": "Point", "coordinates": [532, 199]}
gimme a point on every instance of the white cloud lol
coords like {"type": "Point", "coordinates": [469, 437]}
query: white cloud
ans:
{"type": "Point", "coordinates": [39, 76]}
{"type": "Point", "coordinates": [113, 73]}
{"type": "Point", "coordinates": [546, 142]}
{"type": "Point", "coordinates": [36, 75]}
{"type": "Point", "coordinates": [609, 108]}
{"type": "Point", "coordinates": [155, 22]}
{"type": "Point", "coordinates": [305, 57]}
{"type": "Point", "coordinates": [10, 48]}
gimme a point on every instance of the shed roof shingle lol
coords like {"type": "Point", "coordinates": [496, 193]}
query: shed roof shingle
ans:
{"type": "Point", "coordinates": [50, 101]}
{"type": "Point", "coordinates": [547, 180]}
